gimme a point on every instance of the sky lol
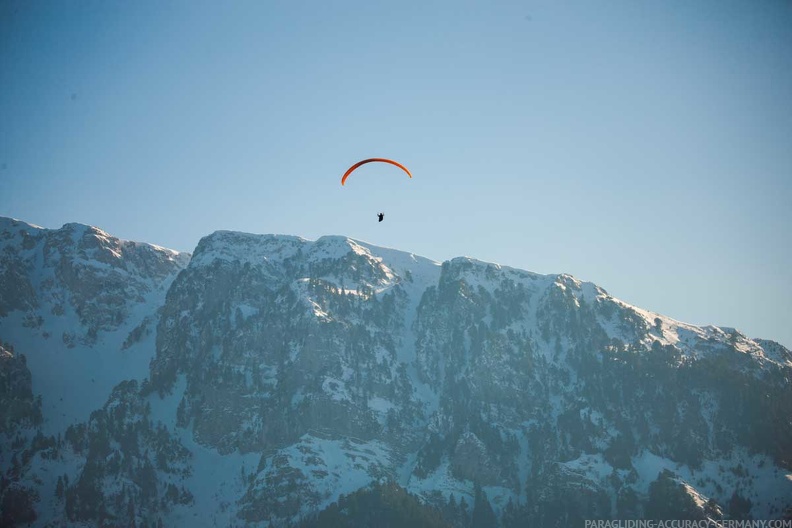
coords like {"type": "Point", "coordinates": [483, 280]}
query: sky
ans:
{"type": "Point", "coordinates": [642, 146]}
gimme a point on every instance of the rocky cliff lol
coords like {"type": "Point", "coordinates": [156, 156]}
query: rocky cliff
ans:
{"type": "Point", "coordinates": [285, 373]}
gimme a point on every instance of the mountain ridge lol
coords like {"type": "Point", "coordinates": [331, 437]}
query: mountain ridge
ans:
{"type": "Point", "coordinates": [287, 372]}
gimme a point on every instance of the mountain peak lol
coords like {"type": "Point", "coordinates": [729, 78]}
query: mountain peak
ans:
{"type": "Point", "coordinates": [8, 224]}
{"type": "Point", "coordinates": [254, 249]}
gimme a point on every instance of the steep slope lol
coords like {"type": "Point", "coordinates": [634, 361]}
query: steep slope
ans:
{"type": "Point", "coordinates": [295, 348]}
{"type": "Point", "coordinates": [288, 372]}
{"type": "Point", "coordinates": [76, 300]}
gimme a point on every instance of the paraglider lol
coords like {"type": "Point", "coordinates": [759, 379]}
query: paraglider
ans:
{"type": "Point", "coordinates": [383, 160]}
{"type": "Point", "coordinates": [380, 216]}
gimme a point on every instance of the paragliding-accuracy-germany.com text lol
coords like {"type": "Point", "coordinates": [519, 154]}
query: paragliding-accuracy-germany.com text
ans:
{"type": "Point", "coordinates": [686, 523]}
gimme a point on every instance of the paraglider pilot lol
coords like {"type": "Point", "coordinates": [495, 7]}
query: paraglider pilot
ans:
{"type": "Point", "coordinates": [381, 216]}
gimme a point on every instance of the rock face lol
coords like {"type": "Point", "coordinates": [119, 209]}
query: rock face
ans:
{"type": "Point", "coordinates": [285, 373]}
{"type": "Point", "coordinates": [18, 408]}
{"type": "Point", "coordinates": [20, 412]}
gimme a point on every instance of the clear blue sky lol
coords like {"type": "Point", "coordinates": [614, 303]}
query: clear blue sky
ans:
{"type": "Point", "coordinates": [644, 146]}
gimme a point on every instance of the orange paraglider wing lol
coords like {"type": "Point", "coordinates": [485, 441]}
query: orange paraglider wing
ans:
{"type": "Point", "coordinates": [384, 160]}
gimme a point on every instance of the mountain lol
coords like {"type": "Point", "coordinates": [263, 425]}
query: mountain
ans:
{"type": "Point", "coordinates": [268, 380]}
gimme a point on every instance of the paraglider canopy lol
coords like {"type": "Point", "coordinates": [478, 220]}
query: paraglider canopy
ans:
{"type": "Point", "coordinates": [383, 160]}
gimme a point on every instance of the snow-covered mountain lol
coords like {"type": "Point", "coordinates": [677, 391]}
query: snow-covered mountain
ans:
{"type": "Point", "coordinates": [259, 379]}
{"type": "Point", "coordinates": [79, 301]}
